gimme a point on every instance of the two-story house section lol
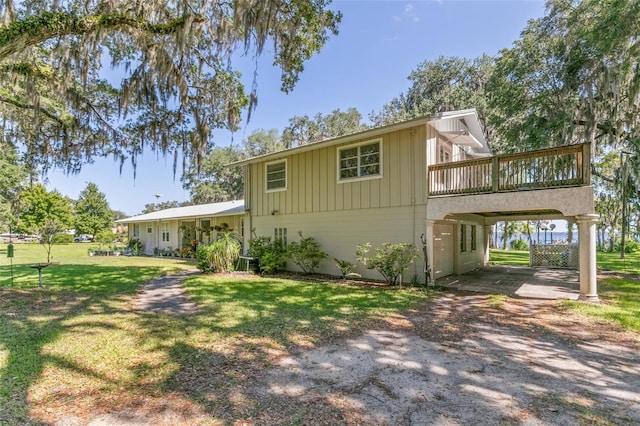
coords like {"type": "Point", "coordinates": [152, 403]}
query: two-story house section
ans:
{"type": "Point", "coordinates": [432, 176]}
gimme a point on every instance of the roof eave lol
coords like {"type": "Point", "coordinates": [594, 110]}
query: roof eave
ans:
{"type": "Point", "coordinates": [369, 133]}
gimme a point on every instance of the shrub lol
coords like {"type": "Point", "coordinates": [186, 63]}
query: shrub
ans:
{"type": "Point", "coordinates": [135, 245]}
{"type": "Point", "coordinates": [344, 266]}
{"type": "Point", "coordinates": [519, 245]}
{"type": "Point", "coordinates": [390, 259]}
{"type": "Point", "coordinates": [202, 261]}
{"type": "Point", "coordinates": [270, 254]}
{"type": "Point", "coordinates": [223, 252]}
{"type": "Point", "coordinates": [306, 254]}
{"type": "Point", "coordinates": [61, 239]}
{"type": "Point", "coordinates": [630, 246]}
{"type": "Point", "coordinates": [105, 237]}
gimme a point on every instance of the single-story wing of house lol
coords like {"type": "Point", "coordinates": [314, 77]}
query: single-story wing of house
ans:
{"type": "Point", "coordinates": [180, 227]}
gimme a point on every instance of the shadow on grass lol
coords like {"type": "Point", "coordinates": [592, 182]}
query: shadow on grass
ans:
{"type": "Point", "coordinates": [32, 317]}
{"type": "Point", "coordinates": [243, 325]}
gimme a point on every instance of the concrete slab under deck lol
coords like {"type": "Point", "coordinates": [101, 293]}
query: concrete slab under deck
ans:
{"type": "Point", "coordinates": [518, 281]}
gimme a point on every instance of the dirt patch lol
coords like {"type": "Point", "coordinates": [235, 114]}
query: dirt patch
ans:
{"type": "Point", "coordinates": [461, 361]}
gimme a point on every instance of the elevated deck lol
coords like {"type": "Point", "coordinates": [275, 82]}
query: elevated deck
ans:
{"type": "Point", "coordinates": [561, 167]}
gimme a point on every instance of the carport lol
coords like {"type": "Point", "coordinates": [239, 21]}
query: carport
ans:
{"type": "Point", "coordinates": [517, 281]}
{"type": "Point", "coordinates": [550, 184]}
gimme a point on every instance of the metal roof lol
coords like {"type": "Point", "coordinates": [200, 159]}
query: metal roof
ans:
{"type": "Point", "coordinates": [227, 208]}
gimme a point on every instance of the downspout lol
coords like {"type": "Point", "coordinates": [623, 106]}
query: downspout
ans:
{"type": "Point", "coordinates": [412, 133]}
{"type": "Point", "coordinates": [247, 204]}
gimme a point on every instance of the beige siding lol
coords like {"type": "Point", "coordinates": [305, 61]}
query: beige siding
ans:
{"type": "Point", "coordinates": [470, 259]}
{"type": "Point", "coordinates": [312, 184]}
{"type": "Point", "coordinates": [339, 232]}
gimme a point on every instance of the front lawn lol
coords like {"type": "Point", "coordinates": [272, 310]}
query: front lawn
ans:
{"type": "Point", "coordinates": [76, 348]}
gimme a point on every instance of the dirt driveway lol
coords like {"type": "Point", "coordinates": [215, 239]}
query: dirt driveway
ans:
{"type": "Point", "coordinates": [462, 361]}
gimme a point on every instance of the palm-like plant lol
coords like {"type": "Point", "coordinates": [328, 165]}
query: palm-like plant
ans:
{"type": "Point", "coordinates": [223, 252]}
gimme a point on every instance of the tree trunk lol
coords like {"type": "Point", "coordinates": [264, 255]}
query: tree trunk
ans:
{"type": "Point", "coordinates": [569, 232]}
{"type": "Point", "coordinates": [505, 237]}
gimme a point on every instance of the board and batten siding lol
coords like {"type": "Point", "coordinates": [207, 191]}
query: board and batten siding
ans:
{"type": "Point", "coordinates": [340, 231]}
{"type": "Point", "coordinates": [312, 179]}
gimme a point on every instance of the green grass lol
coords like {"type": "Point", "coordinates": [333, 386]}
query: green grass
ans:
{"type": "Point", "coordinates": [73, 269]}
{"type": "Point", "coordinates": [612, 262]}
{"type": "Point", "coordinates": [508, 257]}
{"type": "Point", "coordinates": [78, 346]}
{"type": "Point", "coordinates": [621, 296]}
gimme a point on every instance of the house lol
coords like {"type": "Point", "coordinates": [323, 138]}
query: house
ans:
{"type": "Point", "coordinates": [433, 177]}
{"type": "Point", "coordinates": [176, 228]}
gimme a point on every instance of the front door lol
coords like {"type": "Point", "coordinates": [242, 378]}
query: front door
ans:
{"type": "Point", "coordinates": [442, 250]}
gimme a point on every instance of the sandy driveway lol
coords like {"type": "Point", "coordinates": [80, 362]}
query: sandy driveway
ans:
{"type": "Point", "coordinates": [463, 359]}
{"type": "Point", "coordinates": [464, 364]}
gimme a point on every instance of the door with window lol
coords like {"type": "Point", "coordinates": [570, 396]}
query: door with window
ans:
{"type": "Point", "coordinates": [442, 250]}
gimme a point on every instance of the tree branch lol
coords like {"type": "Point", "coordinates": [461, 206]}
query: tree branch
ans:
{"type": "Point", "coordinates": [30, 70]}
{"type": "Point", "coordinates": [33, 107]}
{"type": "Point", "coordinates": [34, 30]}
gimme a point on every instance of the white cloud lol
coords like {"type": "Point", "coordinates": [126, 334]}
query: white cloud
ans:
{"type": "Point", "coordinates": [410, 13]}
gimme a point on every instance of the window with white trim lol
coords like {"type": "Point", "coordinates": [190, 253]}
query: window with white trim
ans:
{"type": "Point", "coordinates": [164, 226]}
{"type": "Point", "coordinates": [280, 234]}
{"type": "Point", "coordinates": [149, 228]}
{"type": "Point", "coordinates": [360, 161]}
{"type": "Point", "coordinates": [276, 176]}
{"type": "Point", "coordinates": [136, 230]}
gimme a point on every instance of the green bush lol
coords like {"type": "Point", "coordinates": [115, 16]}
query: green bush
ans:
{"type": "Point", "coordinates": [135, 245]}
{"type": "Point", "coordinates": [61, 239]}
{"type": "Point", "coordinates": [223, 252]}
{"type": "Point", "coordinates": [105, 237]}
{"type": "Point", "coordinates": [344, 266]}
{"type": "Point", "coordinates": [270, 254]}
{"type": "Point", "coordinates": [202, 256]}
{"type": "Point", "coordinates": [519, 245]}
{"type": "Point", "coordinates": [630, 246]}
{"type": "Point", "coordinates": [390, 260]}
{"type": "Point", "coordinates": [306, 254]}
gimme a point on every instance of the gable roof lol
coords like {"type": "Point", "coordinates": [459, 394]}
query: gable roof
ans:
{"type": "Point", "coordinates": [462, 127]}
{"type": "Point", "coordinates": [227, 208]}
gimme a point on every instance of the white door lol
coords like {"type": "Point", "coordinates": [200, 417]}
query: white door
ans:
{"type": "Point", "coordinates": [442, 250]}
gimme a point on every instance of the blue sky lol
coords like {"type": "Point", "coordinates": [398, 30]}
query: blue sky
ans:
{"type": "Point", "coordinates": [364, 66]}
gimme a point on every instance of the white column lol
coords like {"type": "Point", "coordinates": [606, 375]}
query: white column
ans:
{"type": "Point", "coordinates": [587, 248]}
{"type": "Point", "coordinates": [429, 236]}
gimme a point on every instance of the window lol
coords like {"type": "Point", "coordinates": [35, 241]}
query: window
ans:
{"type": "Point", "coordinates": [360, 161]}
{"type": "Point", "coordinates": [149, 228]}
{"type": "Point", "coordinates": [205, 230]}
{"type": "Point", "coordinates": [276, 176]}
{"type": "Point", "coordinates": [463, 238]}
{"type": "Point", "coordinates": [165, 232]}
{"type": "Point", "coordinates": [136, 230]}
{"type": "Point", "coordinates": [473, 237]}
{"type": "Point", "coordinates": [280, 234]}
{"type": "Point", "coordinates": [445, 154]}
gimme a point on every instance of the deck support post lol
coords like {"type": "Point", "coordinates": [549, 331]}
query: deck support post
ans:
{"type": "Point", "coordinates": [587, 248]}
